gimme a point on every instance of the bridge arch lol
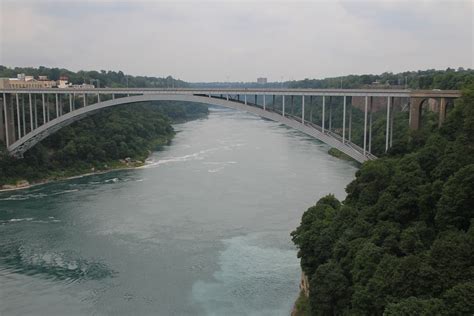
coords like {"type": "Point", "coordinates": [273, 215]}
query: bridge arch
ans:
{"type": "Point", "coordinates": [29, 140]}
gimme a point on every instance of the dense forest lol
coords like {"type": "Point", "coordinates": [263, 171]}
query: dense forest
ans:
{"type": "Point", "coordinates": [100, 142]}
{"type": "Point", "coordinates": [111, 79]}
{"type": "Point", "coordinates": [402, 242]}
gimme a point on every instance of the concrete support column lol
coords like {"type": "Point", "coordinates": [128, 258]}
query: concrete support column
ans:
{"type": "Point", "coordinates": [18, 116]}
{"type": "Point", "coordinates": [98, 97]}
{"type": "Point", "coordinates": [330, 115]}
{"type": "Point", "coordinates": [350, 121]}
{"type": "Point", "coordinates": [70, 102]}
{"type": "Point", "coordinates": [23, 114]}
{"type": "Point", "coordinates": [31, 112]}
{"type": "Point", "coordinates": [387, 132]}
{"type": "Point", "coordinates": [227, 98]}
{"type": "Point", "coordinates": [264, 105]}
{"type": "Point", "coordinates": [44, 109]}
{"type": "Point", "coordinates": [302, 109]}
{"type": "Point", "coordinates": [344, 120]}
{"type": "Point", "coordinates": [9, 120]}
{"type": "Point", "coordinates": [36, 111]}
{"type": "Point", "coordinates": [273, 102]}
{"type": "Point", "coordinates": [323, 118]}
{"type": "Point", "coordinates": [57, 105]}
{"type": "Point", "coordinates": [113, 96]}
{"type": "Point", "coordinates": [392, 119]}
{"type": "Point", "coordinates": [365, 123]}
{"type": "Point", "coordinates": [442, 111]}
{"type": "Point", "coordinates": [370, 125]}
{"type": "Point", "coordinates": [283, 104]}
{"type": "Point", "coordinates": [3, 121]}
{"type": "Point", "coordinates": [245, 99]}
{"type": "Point", "coordinates": [415, 112]}
{"type": "Point", "coordinates": [255, 99]}
{"type": "Point", "coordinates": [85, 100]}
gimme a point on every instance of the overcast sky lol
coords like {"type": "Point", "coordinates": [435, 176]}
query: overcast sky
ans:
{"type": "Point", "coordinates": [226, 40]}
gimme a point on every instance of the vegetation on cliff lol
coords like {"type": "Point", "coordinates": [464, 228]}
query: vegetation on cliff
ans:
{"type": "Point", "coordinates": [99, 142]}
{"type": "Point", "coordinates": [402, 242]}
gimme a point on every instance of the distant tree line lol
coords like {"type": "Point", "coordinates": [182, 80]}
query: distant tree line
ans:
{"type": "Point", "coordinates": [111, 79]}
{"type": "Point", "coordinates": [449, 79]}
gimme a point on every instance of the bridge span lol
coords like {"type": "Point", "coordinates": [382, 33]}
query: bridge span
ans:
{"type": "Point", "coordinates": [30, 115]}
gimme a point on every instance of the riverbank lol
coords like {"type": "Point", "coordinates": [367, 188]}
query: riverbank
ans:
{"type": "Point", "coordinates": [72, 173]}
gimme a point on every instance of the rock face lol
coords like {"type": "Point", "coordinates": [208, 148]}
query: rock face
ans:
{"type": "Point", "coordinates": [22, 184]}
{"type": "Point", "coordinates": [18, 185]}
{"type": "Point", "coordinates": [304, 284]}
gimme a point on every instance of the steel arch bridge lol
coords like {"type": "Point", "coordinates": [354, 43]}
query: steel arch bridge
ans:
{"type": "Point", "coordinates": [21, 127]}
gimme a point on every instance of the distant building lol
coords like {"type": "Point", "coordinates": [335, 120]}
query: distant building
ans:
{"type": "Point", "coordinates": [261, 80]}
{"type": "Point", "coordinates": [63, 82]}
{"type": "Point", "coordinates": [24, 82]}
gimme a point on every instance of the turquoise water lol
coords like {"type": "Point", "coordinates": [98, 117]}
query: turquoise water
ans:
{"type": "Point", "coordinates": [203, 229]}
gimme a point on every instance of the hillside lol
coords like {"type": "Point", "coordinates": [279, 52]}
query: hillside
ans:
{"type": "Point", "coordinates": [402, 242]}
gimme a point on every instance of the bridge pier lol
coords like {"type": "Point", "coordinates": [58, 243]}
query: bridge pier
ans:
{"type": "Point", "coordinates": [415, 112]}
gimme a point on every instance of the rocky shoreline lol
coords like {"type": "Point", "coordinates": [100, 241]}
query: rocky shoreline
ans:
{"type": "Point", "coordinates": [123, 164]}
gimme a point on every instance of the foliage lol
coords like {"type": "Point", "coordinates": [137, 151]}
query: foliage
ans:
{"type": "Point", "coordinates": [99, 141]}
{"type": "Point", "coordinates": [111, 79]}
{"type": "Point", "coordinates": [449, 79]}
{"type": "Point", "coordinates": [402, 242]}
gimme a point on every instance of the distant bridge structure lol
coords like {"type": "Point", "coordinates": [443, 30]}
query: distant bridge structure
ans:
{"type": "Point", "coordinates": [27, 116]}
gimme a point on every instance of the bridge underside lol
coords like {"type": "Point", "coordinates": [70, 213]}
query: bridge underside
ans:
{"type": "Point", "coordinates": [21, 145]}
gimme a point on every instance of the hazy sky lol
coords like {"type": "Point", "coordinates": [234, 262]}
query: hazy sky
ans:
{"type": "Point", "coordinates": [227, 40]}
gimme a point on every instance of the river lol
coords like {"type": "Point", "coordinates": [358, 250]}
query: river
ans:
{"type": "Point", "coordinates": [202, 229]}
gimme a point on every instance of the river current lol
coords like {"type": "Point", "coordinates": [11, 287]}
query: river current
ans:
{"type": "Point", "coordinates": [202, 229]}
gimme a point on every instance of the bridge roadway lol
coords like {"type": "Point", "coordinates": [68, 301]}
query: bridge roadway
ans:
{"type": "Point", "coordinates": [21, 127]}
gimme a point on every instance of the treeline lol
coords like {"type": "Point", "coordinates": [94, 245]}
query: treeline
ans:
{"type": "Point", "coordinates": [99, 141]}
{"type": "Point", "coordinates": [449, 79]}
{"type": "Point", "coordinates": [111, 79]}
{"type": "Point", "coordinates": [402, 242]}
